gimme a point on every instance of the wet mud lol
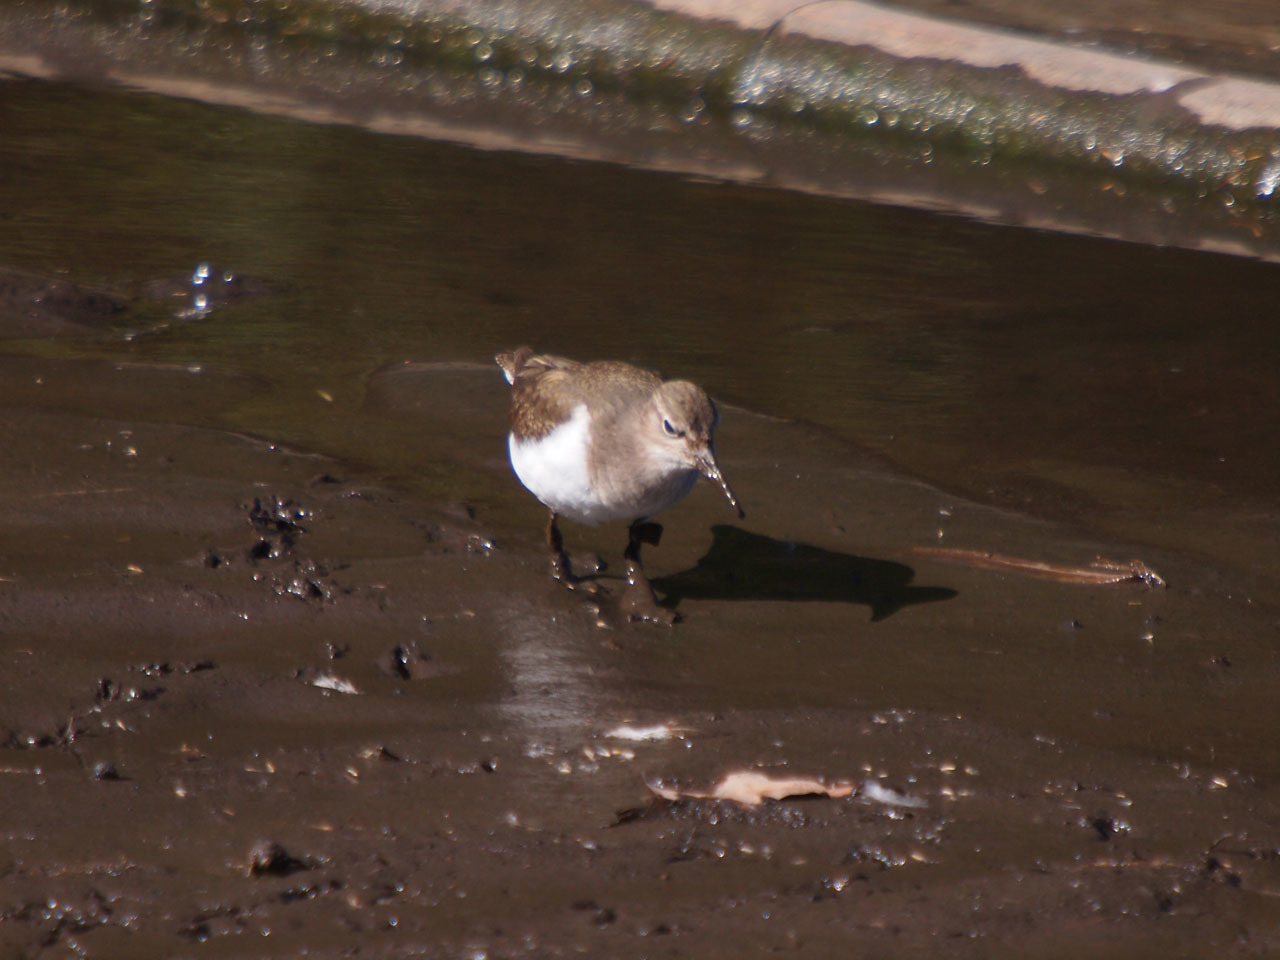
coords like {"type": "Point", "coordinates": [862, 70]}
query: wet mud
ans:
{"type": "Point", "coordinates": [259, 702]}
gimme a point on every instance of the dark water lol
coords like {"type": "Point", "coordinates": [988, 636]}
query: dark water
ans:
{"type": "Point", "coordinates": [1128, 388]}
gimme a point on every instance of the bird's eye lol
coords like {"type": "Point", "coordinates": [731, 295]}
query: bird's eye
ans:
{"type": "Point", "coordinates": [670, 429]}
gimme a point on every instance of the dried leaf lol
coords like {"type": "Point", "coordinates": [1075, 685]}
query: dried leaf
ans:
{"type": "Point", "coordinates": [750, 788]}
{"type": "Point", "coordinates": [654, 732]}
{"type": "Point", "coordinates": [331, 681]}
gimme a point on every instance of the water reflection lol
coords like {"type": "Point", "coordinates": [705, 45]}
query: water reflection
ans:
{"type": "Point", "coordinates": [553, 690]}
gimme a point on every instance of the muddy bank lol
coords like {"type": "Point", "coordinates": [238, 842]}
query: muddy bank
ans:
{"type": "Point", "coordinates": [257, 702]}
{"type": "Point", "coordinates": [281, 668]}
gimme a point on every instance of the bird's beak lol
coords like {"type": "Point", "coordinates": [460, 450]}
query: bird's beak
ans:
{"type": "Point", "coordinates": [708, 467]}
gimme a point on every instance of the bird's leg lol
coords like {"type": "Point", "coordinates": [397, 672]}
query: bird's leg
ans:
{"type": "Point", "coordinates": [641, 532]}
{"type": "Point", "coordinates": [560, 568]}
{"type": "Point", "coordinates": [559, 559]}
{"type": "Point", "coordinates": [638, 600]}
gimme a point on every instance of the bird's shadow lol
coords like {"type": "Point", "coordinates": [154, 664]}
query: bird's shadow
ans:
{"type": "Point", "coordinates": [747, 566]}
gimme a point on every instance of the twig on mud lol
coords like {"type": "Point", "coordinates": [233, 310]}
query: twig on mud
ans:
{"type": "Point", "coordinates": [1100, 571]}
{"type": "Point", "coordinates": [82, 492]}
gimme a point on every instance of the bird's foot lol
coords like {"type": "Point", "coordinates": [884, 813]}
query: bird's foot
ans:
{"type": "Point", "coordinates": [563, 572]}
{"type": "Point", "coordinates": [590, 564]}
{"type": "Point", "coordinates": [638, 601]}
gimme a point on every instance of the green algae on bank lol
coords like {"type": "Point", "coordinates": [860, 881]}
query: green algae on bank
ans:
{"type": "Point", "coordinates": [1168, 156]}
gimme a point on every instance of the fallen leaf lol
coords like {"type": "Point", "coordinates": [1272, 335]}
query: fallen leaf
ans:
{"type": "Point", "coordinates": [331, 681]}
{"type": "Point", "coordinates": [654, 732]}
{"type": "Point", "coordinates": [750, 788]}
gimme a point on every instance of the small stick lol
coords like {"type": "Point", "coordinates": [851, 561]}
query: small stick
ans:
{"type": "Point", "coordinates": [1101, 571]}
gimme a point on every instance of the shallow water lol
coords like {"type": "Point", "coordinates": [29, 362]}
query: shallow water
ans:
{"type": "Point", "coordinates": [889, 380]}
{"type": "Point", "coordinates": [1060, 375]}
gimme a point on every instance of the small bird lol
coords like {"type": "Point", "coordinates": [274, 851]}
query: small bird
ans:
{"type": "Point", "coordinates": [606, 441]}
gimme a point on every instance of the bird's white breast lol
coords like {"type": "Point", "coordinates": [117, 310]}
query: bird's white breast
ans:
{"type": "Point", "coordinates": [554, 468]}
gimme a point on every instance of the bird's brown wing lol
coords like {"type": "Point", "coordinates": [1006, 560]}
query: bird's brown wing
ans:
{"type": "Point", "coordinates": [522, 361]}
{"type": "Point", "coordinates": [542, 390]}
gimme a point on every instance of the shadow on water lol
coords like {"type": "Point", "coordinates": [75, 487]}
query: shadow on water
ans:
{"type": "Point", "coordinates": [747, 566]}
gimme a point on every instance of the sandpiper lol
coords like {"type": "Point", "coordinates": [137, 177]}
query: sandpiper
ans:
{"type": "Point", "coordinates": [606, 441]}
